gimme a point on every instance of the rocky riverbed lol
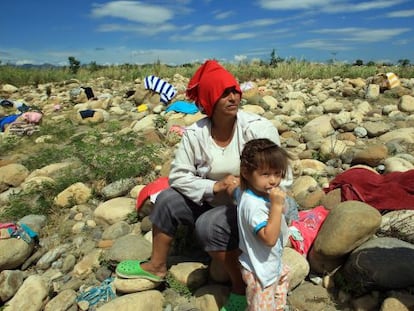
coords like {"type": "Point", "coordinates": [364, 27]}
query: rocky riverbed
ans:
{"type": "Point", "coordinates": [361, 258]}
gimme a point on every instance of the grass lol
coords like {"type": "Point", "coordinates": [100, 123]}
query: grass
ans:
{"type": "Point", "coordinates": [287, 70]}
{"type": "Point", "coordinates": [100, 153]}
{"type": "Point", "coordinates": [177, 286]}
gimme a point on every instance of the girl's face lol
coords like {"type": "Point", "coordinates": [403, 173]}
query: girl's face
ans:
{"type": "Point", "coordinates": [262, 180]}
{"type": "Point", "coordinates": [228, 104]}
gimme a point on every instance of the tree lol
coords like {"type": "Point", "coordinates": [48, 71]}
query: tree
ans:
{"type": "Point", "coordinates": [74, 64]}
{"type": "Point", "coordinates": [404, 62]}
{"type": "Point", "coordinates": [93, 66]}
{"type": "Point", "coordinates": [358, 62]}
{"type": "Point", "coordinates": [274, 59]}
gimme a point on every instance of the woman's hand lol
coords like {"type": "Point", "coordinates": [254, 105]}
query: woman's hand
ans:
{"type": "Point", "coordinates": [228, 184]}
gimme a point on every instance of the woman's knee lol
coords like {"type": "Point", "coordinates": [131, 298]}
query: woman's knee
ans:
{"type": "Point", "coordinates": [217, 229]}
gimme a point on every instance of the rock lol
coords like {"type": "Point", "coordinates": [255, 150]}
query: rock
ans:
{"type": "Point", "coordinates": [34, 287]}
{"type": "Point", "coordinates": [142, 301]}
{"type": "Point", "coordinates": [391, 269]}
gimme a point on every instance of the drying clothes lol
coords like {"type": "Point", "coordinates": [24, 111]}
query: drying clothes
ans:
{"type": "Point", "coordinates": [183, 106]}
{"type": "Point", "coordinates": [151, 190]}
{"type": "Point", "coordinates": [7, 120]}
{"type": "Point", "coordinates": [166, 90]}
{"type": "Point", "coordinates": [390, 191]}
{"type": "Point", "coordinates": [304, 230]}
{"type": "Point", "coordinates": [177, 129]}
{"type": "Point", "coordinates": [392, 80]}
{"type": "Point", "coordinates": [87, 113]}
{"type": "Point", "coordinates": [89, 92]}
{"type": "Point", "coordinates": [6, 103]}
{"type": "Point", "coordinates": [23, 128]}
{"type": "Point", "coordinates": [101, 293]}
{"type": "Point", "coordinates": [18, 231]}
{"type": "Point", "coordinates": [32, 117]}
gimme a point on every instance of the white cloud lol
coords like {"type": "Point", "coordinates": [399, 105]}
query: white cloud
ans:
{"type": "Point", "coordinates": [360, 7]}
{"type": "Point", "coordinates": [26, 61]}
{"type": "Point", "coordinates": [210, 32]}
{"type": "Point", "coordinates": [364, 34]}
{"type": "Point", "coordinates": [329, 6]}
{"type": "Point", "coordinates": [138, 29]}
{"type": "Point", "coordinates": [240, 58]}
{"type": "Point", "coordinates": [324, 45]}
{"type": "Point", "coordinates": [243, 35]}
{"type": "Point", "coordinates": [224, 15]}
{"type": "Point", "coordinates": [292, 5]}
{"type": "Point", "coordinates": [135, 11]}
{"type": "Point", "coordinates": [405, 13]}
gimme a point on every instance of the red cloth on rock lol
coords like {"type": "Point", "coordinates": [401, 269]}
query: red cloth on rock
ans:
{"type": "Point", "coordinates": [152, 188]}
{"type": "Point", "coordinates": [391, 191]}
{"type": "Point", "coordinates": [208, 84]}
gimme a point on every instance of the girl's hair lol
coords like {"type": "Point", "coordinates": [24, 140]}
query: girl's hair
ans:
{"type": "Point", "coordinates": [262, 153]}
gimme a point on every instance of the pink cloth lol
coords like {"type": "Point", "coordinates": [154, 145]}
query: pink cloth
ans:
{"type": "Point", "coordinates": [391, 191]}
{"type": "Point", "coordinates": [177, 129]}
{"type": "Point", "coordinates": [32, 117]}
{"type": "Point", "coordinates": [308, 224]}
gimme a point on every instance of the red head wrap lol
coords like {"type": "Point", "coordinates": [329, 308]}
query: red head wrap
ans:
{"type": "Point", "coordinates": [208, 85]}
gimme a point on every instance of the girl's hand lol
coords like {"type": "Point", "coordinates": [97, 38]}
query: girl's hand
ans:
{"type": "Point", "coordinates": [277, 196]}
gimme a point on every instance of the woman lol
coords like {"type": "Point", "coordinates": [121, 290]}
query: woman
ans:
{"type": "Point", "coordinates": [205, 168]}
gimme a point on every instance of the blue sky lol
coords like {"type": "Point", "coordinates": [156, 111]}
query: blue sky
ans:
{"type": "Point", "coordinates": [184, 31]}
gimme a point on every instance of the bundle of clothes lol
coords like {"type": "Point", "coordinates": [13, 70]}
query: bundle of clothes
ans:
{"type": "Point", "coordinates": [25, 121]}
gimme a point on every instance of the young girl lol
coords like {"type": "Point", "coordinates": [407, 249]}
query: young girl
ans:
{"type": "Point", "coordinates": [263, 231]}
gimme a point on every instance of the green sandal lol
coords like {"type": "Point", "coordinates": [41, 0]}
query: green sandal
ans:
{"type": "Point", "coordinates": [235, 302]}
{"type": "Point", "coordinates": [131, 269]}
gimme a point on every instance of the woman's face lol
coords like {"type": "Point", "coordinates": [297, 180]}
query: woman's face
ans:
{"type": "Point", "coordinates": [228, 104]}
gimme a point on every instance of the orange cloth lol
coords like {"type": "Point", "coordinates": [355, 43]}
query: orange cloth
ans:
{"type": "Point", "coordinates": [208, 84]}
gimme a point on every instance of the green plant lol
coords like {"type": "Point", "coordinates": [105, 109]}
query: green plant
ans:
{"type": "Point", "coordinates": [39, 200]}
{"type": "Point", "coordinates": [59, 131]}
{"type": "Point", "coordinates": [46, 156]}
{"type": "Point", "coordinates": [122, 159]}
{"type": "Point", "coordinates": [8, 143]}
{"type": "Point", "coordinates": [132, 217]}
{"type": "Point", "coordinates": [177, 286]}
{"type": "Point", "coordinates": [113, 126]}
{"type": "Point", "coordinates": [172, 138]}
{"type": "Point", "coordinates": [159, 122]}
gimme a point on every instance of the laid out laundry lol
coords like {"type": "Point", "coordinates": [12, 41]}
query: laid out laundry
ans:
{"type": "Point", "coordinates": [390, 191]}
{"type": "Point", "coordinates": [17, 230]}
{"type": "Point", "coordinates": [304, 230]}
{"type": "Point", "coordinates": [6, 120]}
{"type": "Point", "coordinates": [166, 90]}
{"type": "Point", "coordinates": [151, 190]}
{"type": "Point", "coordinates": [88, 113]}
{"type": "Point", "coordinates": [183, 106]}
{"type": "Point", "coordinates": [101, 293]}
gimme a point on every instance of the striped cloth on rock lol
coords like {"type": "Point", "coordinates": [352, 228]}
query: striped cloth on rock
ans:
{"type": "Point", "coordinates": [166, 90]}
